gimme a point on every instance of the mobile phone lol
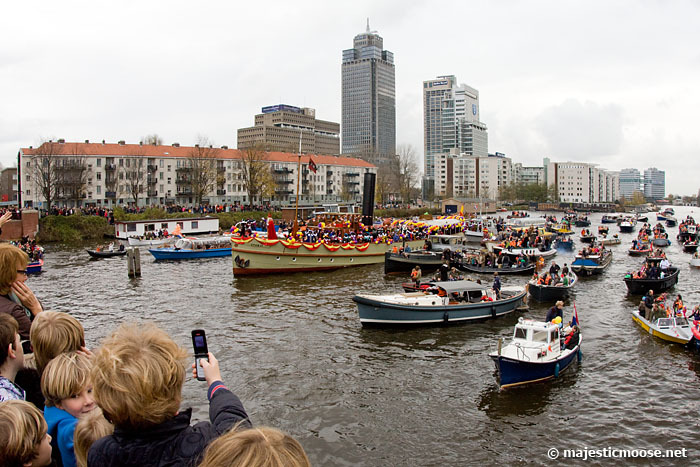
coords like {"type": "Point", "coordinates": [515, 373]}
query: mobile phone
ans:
{"type": "Point", "coordinates": [201, 351]}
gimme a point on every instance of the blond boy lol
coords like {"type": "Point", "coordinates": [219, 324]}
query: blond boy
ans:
{"type": "Point", "coordinates": [53, 333]}
{"type": "Point", "coordinates": [138, 374]}
{"type": "Point", "coordinates": [11, 358]}
{"type": "Point", "coordinates": [23, 437]}
{"type": "Point", "coordinates": [66, 386]}
{"type": "Point", "coordinates": [89, 429]}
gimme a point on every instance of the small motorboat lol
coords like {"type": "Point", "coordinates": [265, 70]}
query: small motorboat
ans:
{"type": "Point", "coordinates": [608, 241]}
{"type": "Point", "coordinates": [548, 293]}
{"type": "Point", "coordinates": [690, 246]}
{"type": "Point", "coordinates": [660, 241]}
{"type": "Point", "coordinates": [529, 252]}
{"type": "Point", "coordinates": [642, 249]}
{"type": "Point", "coordinates": [442, 302]}
{"type": "Point", "coordinates": [535, 353]}
{"type": "Point", "coordinates": [564, 242]}
{"type": "Point", "coordinates": [695, 261]}
{"type": "Point", "coordinates": [192, 248]}
{"type": "Point", "coordinates": [106, 253]}
{"type": "Point", "coordinates": [589, 264]}
{"type": "Point", "coordinates": [587, 237]}
{"type": "Point", "coordinates": [515, 269]}
{"type": "Point", "coordinates": [671, 221]}
{"type": "Point", "coordinates": [673, 329]}
{"type": "Point", "coordinates": [609, 219]}
{"type": "Point", "coordinates": [603, 229]}
{"type": "Point", "coordinates": [627, 225]}
{"type": "Point", "coordinates": [403, 262]}
{"type": "Point", "coordinates": [640, 286]}
{"type": "Point", "coordinates": [582, 222]}
{"type": "Point", "coordinates": [35, 266]}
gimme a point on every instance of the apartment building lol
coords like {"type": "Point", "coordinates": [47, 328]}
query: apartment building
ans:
{"type": "Point", "coordinates": [581, 182]}
{"type": "Point", "coordinates": [103, 174]}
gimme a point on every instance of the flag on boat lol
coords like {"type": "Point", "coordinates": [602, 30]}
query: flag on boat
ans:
{"type": "Point", "coordinates": [461, 211]}
{"type": "Point", "coordinates": [312, 165]}
{"type": "Point", "coordinates": [574, 319]}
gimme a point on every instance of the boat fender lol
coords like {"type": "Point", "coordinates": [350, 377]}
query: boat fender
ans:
{"type": "Point", "coordinates": [556, 370]}
{"type": "Point", "coordinates": [493, 311]}
{"type": "Point", "coordinates": [579, 355]}
{"type": "Point", "coordinates": [446, 317]}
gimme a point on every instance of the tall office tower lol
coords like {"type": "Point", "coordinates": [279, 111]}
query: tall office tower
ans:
{"type": "Point", "coordinates": [450, 122]}
{"type": "Point", "coordinates": [368, 124]}
{"type": "Point", "coordinates": [630, 181]}
{"type": "Point", "coordinates": [654, 184]}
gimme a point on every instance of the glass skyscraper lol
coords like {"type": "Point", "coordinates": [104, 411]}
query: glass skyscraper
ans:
{"type": "Point", "coordinates": [368, 124]}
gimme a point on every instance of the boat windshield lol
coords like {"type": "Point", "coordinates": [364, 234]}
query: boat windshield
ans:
{"type": "Point", "coordinates": [520, 333]}
{"type": "Point", "coordinates": [664, 322]}
{"type": "Point", "coordinates": [539, 335]}
{"type": "Point", "coordinates": [681, 322]}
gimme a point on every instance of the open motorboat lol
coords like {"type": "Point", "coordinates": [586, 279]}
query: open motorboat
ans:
{"type": "Point", "coordinates": [673, 329]}
{"type": "Point", "coordinates": [548, 293]}
{"type": "Point", "coordinates": [593, 263]}
{"type": "Point", "coordinates": [190, 248]}
{"type": "Point", "coordinates": [641, 285]}
{"type": "Point", "coordinates": [442, 302]}
{"type": "Point", "coordinates": [535, 353]}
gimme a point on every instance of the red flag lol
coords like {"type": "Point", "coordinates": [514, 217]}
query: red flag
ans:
{"type": "Point", "coordinates": [312, 165]}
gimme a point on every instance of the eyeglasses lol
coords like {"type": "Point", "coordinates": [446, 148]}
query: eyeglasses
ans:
{"type": "Point", "coordinates": [22, 271]}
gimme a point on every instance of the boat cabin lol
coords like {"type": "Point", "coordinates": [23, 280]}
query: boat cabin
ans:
{"type": "Point", "coordinates": [669, 323]}
{"type": "Point", "coordinates": [526, 222]}
{"type": "Point", "coordinates": [203, 243]}
{"type": "Point", "coordinates": [188, 226]}
{"type": "Point", "coordinates": [451, 242]}
{"type": "Point", "coordinates": [529, 333]}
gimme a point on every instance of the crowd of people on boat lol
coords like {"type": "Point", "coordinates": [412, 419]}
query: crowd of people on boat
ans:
{"type": "Point", "coordinates": [556, 276]}
{"type": "Point", "coordinates": [33, 251]}
{"type": "Point", "coordinates": [62, 403]}
{"type": "Point", "coordinates": [651, 270]}
{"type": "Point", "coordinates": [654, 307]}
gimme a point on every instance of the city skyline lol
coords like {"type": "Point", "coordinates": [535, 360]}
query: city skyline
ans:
{"type": "Point", "coordinates": [594, 82]}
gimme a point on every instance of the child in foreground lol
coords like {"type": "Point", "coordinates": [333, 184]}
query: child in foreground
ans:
{"type": "Point", "coordinates": [262, 447]}
{"type": "Point", "coordinates": [89, 429]}
{"type": "Point", "coordinates": [11, 358]}
{"type": "Point", "coordinates": [138, 374]}
{"type": "Point", "coordinates": [68, 392]}
{"type": "Point", "coordinates": [23, 437]}
{"type": "Point", "coordinates": [53, 333]}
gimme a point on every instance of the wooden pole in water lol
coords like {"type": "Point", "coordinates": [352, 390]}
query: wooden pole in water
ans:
{"type": "Point", "coordinates": [133, 261]}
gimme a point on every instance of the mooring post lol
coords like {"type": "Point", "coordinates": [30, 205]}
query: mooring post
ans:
{"type": "Point", "coordinates": [133, 260]}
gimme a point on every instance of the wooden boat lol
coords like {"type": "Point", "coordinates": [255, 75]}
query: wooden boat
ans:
{"type": "Point", "coordinates": [534, 354]}
{"type": "Point", "coordinates": [35, 266]}
{"type": "Point", "coordinates": [528, 269]}
{"type": "Point", "coordinates": [106, 253]}
{"type": "Point", "coordinates": [592, 264]}
{"type": "Point", "coordinates": [546, 293]}
{"type": "Point", "coordinates": [614, 240]}
{"type": "Point", "coordinates": [404, 262]}
{"type": "Point", "coordinates": [193, 248]}
{"type": "Point", "coordinates": [642, 286]}
{"type": "Point", "coordinates": [263, 256]}
{"type": "Point", "coordinates": [455, 301]}
{"type": "Point", "coordinates": [643, 251]}
{"type": "Point", "coordinates": [675, 329]}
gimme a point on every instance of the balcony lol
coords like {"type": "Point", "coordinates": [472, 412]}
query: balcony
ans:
{"type": "Point", "coordinates": [183, 180]}
{"type": "Point", "coordinates": [110, 194]}
{"type": "Point", "coordinates": [110, 166]}
{"type": "Point", "coordinates": [352, 174]}
{"type": "Point", "coordinates": [220, 192]}
{"type": "Point", "coordinates": [283, 181]}
{"type": "Point", "coordinates": [151, 180]}
{"type": "Point", "coordinates": [283, 170]}
{"type": "Point", "coordinates": [329, 173]}
{"type": "Point", "coordinates": [283, 192]}
{"type": "Point", "coordinates": [350, 182]}
{"type": "Point", "coordinates": [184, 192]}
{"type": "Point", "coordinates": [152, 168]}
{"type": "Point", "coordinates": [183, 169]}
{"type": "Point", "coordinates": [152, 193]}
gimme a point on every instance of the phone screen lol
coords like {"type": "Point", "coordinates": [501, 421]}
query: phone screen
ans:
{"type": "Point", "coordinates": [199, 342]}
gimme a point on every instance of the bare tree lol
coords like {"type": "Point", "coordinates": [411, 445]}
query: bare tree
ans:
{"type": "Point", "coordinates": [45, 162]}
{"type": "Point", "coordinates": [202, 164]}
{"type": "Point", "coordinates": [69, 171]}
{"type": "Point", "coordinates": [257, 176]}
{"type": "Point", "coordinates": [407, 172]}
{"type": "Point", "coordinates": [135, 174]}
{"type": "Point", "coordinates": [153, 139]}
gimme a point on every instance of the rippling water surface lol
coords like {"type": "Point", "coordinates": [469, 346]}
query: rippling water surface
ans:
{"type": "Point", "coordinates": [291, 346]}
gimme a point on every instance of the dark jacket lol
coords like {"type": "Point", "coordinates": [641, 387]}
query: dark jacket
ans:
{"type": "Point", "coordinates": [553, 313]}
{"type": "Point", "coordinates": [648, 300]}
{"type": "Point", "coordinates": [17, 312]}
{"type": "Point", "coordinates": [173, 442]}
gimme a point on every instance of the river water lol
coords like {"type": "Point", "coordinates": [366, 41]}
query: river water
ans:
{"type": "Point", "coordinates": [292, 348]}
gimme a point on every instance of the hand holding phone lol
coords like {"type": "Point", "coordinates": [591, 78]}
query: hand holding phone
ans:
{"type": "Point", "coordinates": [201, 351]}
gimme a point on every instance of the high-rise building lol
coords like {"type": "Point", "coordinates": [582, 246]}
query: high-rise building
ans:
{"type": "Point", "coordinates": [581, 182]}
{"type": "Point", "coordinates": [654, 184]}
{"type": "Point", "coordinates": [451, 123]}
{"type": "Point", "coordinates": [630, 182]}
{"type": "Point", "coordinates": [282, 127]}
{"type": "Point", "coordinates": [368, 123]}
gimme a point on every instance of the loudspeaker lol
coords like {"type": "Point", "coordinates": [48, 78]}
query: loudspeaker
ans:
{"type": "Point", "coordinates": [368, 199]}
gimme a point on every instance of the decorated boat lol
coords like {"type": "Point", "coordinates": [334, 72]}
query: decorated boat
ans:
{"type": "Point", "coordinates": [589, 264]}
{"type": "Point", "coordinates": [35, 266]}
{"type": "Point", "coordinates": [535, 353]}
{"type": "Point", "coordinates": [641, 285]}
{"type": "Point", "coordinates": [529, 252]}
{"type": "Point", "coordinates": [547, 293]}
{"type": "Point", "coordinates": [443, 302]}
{"type": "Point", "coordinates": [403, 262]}
{"type": "Point", "coordinates": [106, 253]}
{"type": "Point", "coordinates": [193, 248]}
{"type": "Point", "coordinates": [671, 329]}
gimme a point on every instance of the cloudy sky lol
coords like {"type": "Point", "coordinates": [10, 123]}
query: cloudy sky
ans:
{"type": "Point", "coordinates": [614, 83]}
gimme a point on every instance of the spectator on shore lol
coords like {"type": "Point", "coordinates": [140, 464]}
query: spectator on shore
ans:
{"type": "Point", "coordinates": [24, 440]}
{"type": "Point", "coordinates": [54, 333]}
{"type": "Point", "coordinates": [11, 359]}
{"type": "Point", "coordinates": [16, 298]}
